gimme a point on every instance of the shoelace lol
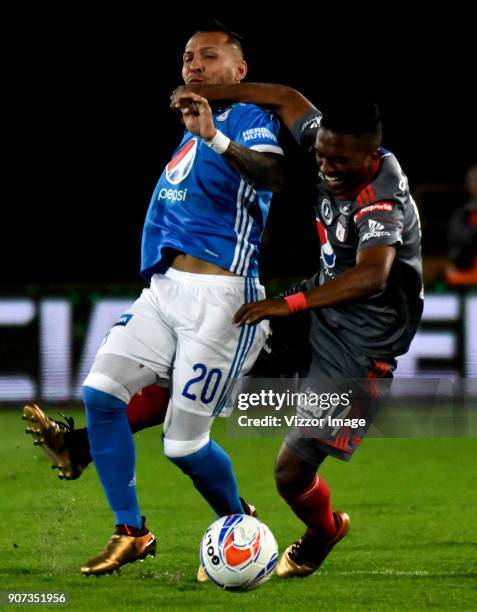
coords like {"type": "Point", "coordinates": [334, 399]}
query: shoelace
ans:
{"type": "Point", "coordinates": [69, 423]}
{"type": "Point", "coordinates": [296, 552]}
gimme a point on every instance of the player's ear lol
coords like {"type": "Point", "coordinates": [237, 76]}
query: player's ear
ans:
{"type": "Point", "coordinates": [240, 70]}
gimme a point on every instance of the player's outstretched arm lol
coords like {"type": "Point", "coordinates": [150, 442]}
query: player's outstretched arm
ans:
{"type": "Point", "coordinates": [368, 277]}
{"type": "Point", "coordinates": [289, 103]}
{"type": "Point", "coordinates": [260, 169]}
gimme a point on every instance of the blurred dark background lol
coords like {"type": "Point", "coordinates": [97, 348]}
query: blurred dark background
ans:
{"type": "Point", "coordinates": [92, 129]}
{"type": "Point", "coordinates": [87, 131]}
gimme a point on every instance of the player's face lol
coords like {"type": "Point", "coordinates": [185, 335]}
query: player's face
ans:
{"type": "Point", "coordinates": [345, 161]}
{"type": "Point", "coordinates": [210, 58]}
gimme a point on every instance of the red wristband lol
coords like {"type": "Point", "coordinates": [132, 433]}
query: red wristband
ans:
{"type": "Point", "coordinates": [296, 302]}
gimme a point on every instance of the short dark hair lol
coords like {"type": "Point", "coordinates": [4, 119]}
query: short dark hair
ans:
{"type": "Point", "coordinates": [214, 25]}
{"type": "Point", "coordinates": [358, 119]}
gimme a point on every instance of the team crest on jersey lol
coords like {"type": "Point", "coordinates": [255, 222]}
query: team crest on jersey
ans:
{"type": "Point", "coordinates": [181, 164]}
{"type": "Point", "coordinates": [326, 211]}
{"type": "Point", "coordinates": [225, 115]}
{"type": "Point", "coordinates": [327, 254]}
{"type": "Point", "coordinates": [342, 225]}
{"type": "Point", "coordinates": [341, 230]}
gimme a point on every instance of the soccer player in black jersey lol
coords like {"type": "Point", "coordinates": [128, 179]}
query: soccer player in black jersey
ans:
{"type": "Point", "coordinates": [360, 310]}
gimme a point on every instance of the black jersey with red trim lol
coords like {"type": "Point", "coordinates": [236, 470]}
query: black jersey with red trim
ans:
{"type": "Point", "coordinates": [383, 213]}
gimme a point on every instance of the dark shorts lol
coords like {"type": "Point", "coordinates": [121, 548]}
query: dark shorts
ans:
{"type": "Point", "coordinates": [310, 347]}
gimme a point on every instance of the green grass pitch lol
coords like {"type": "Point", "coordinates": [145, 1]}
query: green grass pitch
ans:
{"type": "Point", "coordinates": [413, 543]}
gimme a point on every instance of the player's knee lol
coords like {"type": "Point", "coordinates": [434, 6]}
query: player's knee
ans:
{"type": "Point", "coordinates": [289, 480]}
{"type": "Point", "coordinates": [284, 480]}
{"type": "Point", "coordinates": [119, 376]}
{"type": "Point", "coordinates": [96, 400]}
{"type": "Point", "coordinates": [175, 449]}
{"type": "Point", "coordinates": [101, 383]}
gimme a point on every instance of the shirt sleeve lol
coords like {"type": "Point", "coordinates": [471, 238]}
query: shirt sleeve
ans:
{"type": "Point", "coordinates": [257, 129]}
{"type": "Point", "coordinates": [304, 130]}
{"type": "Point", "coordinates": [380, 223]}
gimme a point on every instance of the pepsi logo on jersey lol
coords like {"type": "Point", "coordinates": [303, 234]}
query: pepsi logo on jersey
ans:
{"type": "Point", "coordinates": [173, 195]}
{"type": "Point", "coordinates": [181, 164]}
{"type": "Point", "coordinates": [327, 253]}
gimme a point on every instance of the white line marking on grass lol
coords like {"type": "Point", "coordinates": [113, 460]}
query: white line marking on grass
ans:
{"type": "Point", "coordinates": [381, 572]}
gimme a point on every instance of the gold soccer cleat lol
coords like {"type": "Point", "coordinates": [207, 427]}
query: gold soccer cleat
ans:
{"type": "Point", "coordinates": [50, 435]}
{"type": "Point", "coordinates": [201, 575]}
{"type": "Point", "coordinates": [121, 549]}
{"type": "Point", "coordinates": [305, 556]}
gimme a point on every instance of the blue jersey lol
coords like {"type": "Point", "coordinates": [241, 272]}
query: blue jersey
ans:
{"type": "Point", "coordinates": [201, 205]}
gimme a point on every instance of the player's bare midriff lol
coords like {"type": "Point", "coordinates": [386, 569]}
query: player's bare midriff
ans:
{"type": "Point", "coordinates": [189, 263]}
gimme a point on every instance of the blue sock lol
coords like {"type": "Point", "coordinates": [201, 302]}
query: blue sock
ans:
{"type": "Point", "coordinates": [112, 449]}
{"type": "Point", "coordinates": [211, 471]}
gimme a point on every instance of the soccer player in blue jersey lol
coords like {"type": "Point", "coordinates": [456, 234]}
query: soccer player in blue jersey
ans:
{"type": "Point", "coordinates": [199, 253]}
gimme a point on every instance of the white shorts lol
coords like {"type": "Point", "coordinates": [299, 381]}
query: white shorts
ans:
{"type": "Point", "coordinates": [181, 328]}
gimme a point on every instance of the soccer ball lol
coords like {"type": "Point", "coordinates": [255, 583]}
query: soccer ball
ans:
{"type": "Point", "coordinates": [238, 552]}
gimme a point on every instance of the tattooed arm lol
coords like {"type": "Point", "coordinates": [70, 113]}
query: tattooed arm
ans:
{"type": "Point", "coordinates": [263, 170]}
